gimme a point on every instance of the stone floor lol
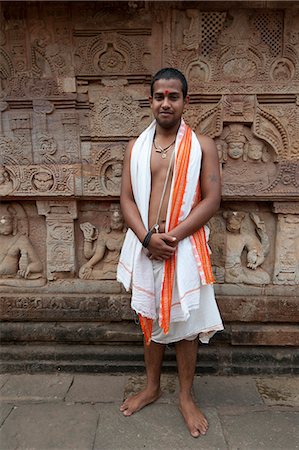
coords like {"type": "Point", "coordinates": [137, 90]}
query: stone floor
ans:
{"type": "Point", "coordinates": [69, 412]}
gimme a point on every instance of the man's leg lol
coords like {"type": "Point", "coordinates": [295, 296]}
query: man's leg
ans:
{"type": "Point", "coordinates": [186, 354]}
{"type": "Point", "coordinates": [153, 357]}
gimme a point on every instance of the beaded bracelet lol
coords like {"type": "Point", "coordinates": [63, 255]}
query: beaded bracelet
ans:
{"type": "Point", "coordinates": [147, 238]}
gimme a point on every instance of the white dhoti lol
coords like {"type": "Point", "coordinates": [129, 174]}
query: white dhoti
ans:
{"type": "Point", "coordinates": [203, 322]}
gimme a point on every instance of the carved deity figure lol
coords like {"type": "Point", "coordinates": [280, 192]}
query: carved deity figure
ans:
{"type": "Point", "coordinates": [6, 185]}
{"type": "Point", "coordinates": [113, 177]}
{"type": "Point", "coordinates": [103, 249]}
{"type": "Point", "coordinates": [246, 249]}
{"type": "Point", "coordinates": [19, 264]}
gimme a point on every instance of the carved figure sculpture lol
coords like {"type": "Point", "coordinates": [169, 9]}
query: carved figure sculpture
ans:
{"type": "Point", "coordinates": [113, 177]}
{"type": "Point", "coordinates": [243, 237]}
{"type": "Point", "coordinates": [19, 263]}
{"type": "Point", "coordinates": [6, 185]}
{"type": "Point", "coordinates": [102, 247]}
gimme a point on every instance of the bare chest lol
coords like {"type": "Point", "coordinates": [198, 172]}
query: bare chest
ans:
{"type": "Point", "coordinates": [160, 166]}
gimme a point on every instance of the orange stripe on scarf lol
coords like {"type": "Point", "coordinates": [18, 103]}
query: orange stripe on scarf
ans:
{"type": "Point", "coordinates": [182, 162]}
{"type": "Point", "coordinates": [203, 252]}
{"type": "Point", "coordinates": [147, 328]}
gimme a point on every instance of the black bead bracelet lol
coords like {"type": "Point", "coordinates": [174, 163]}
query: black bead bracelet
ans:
{"type": "Point", "coordinates": [147, 238]}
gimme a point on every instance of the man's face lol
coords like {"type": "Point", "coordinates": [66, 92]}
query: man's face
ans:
{"type": "Point", "coordinates": [167, 102]}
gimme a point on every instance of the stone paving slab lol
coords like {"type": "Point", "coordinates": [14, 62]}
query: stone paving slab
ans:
{"type": "Point", "coordinates": [279, 390]}
{"type": "Point", "coordinates": [3, 379]}
{"type": "Point", "coordinates": [156, 427]}
{"type": "Point", "coordinates": [169, 387]}
{"type": "Point", "coordinates": [262, 430]}
{"type": "Point", "coordinates": [97, 388]}
{"type": "Point", "coordinates": [221, 390]}
{"type": "Point", "coordinates": [36, 387]}
{"type": "Point", "coordinates": [5, 409]}
{"type": "Point", "coordinates": [50, 426]}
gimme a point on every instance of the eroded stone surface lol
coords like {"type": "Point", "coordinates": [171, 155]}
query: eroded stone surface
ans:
{"type": "Point", "coordinates": [279, 391]}
{"type": "Point", "coordinates": [169, 387]}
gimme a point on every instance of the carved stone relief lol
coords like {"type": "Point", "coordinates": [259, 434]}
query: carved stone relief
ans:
{"type": "Point", "coordinates": [60, 237]}
{"type": "Point", "coordinates": [102, 176]}
{"type": "Point", "coordinates": [246, 233]}
{"type": "Point", "coordinates": [120, 115]}
{"type": "Point", "coordinates": [74, 79]}
{"type": "Point", "coordinates": [20, 265]}
{"type": "Point", "coordinates": [43, 180]}
{"type": "Point", "coordinates": [102, 248]}
{"type": "Point", "coordinates": [110, 52]}
{"type": "Point", "coordinates": [247, 162]}
{"type": "Point", "coordinates": [286, 269]}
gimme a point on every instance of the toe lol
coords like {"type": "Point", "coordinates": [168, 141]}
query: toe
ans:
{"type": "Point", "coordinates": [195, 433]}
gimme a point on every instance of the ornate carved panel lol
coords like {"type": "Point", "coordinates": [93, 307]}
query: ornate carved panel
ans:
{"type": "Point", "coordinates": [75, 78]}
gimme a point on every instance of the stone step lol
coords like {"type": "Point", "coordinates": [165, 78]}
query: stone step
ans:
{"type": "Point", "coordinates": [212, 359]}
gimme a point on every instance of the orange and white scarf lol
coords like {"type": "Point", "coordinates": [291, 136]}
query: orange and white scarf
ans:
{"type": "Point", "coordinates": [190, 266]}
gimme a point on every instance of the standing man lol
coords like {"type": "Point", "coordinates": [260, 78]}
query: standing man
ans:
{"type": "Point", "coordinates": [170, 189]}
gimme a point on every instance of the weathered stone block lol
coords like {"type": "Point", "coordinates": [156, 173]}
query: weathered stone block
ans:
{"type": "Point", "coordinates": [270, 334]}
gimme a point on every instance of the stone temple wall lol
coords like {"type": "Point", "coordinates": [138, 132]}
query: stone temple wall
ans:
{"type": "Point", "coordinates": [75, 84]}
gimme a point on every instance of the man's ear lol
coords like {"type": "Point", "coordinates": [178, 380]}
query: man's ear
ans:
{"type": "Point", "coordinates": [150, 99]}
{"type": "Point", "coordinates": [186, 101]}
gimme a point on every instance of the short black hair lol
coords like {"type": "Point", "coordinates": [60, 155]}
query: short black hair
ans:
{"type": "Point", "coordinates": [168, 73]}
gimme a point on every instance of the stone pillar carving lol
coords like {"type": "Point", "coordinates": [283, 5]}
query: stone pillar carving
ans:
{"type": "Point", "coordinates": [43, 143]}
{"type": "Point", "coordinates": [60, 237]}
{"type": "Point", "coordinates": [70, 123]}
{"type": "Point", "coordinates": [286, 265]}
{"type": "Point", "coordinates": [21, 125]}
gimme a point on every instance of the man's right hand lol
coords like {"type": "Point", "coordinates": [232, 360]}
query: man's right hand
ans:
{"type": "Point", "coordinates": [161, 246]}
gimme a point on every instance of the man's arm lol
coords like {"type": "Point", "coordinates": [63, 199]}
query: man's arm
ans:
{"type": "Point", "coordinates": [210, 184]}
{"type": "Point", "coordinates": [157, 245]}
{"type": "Point", "coordinates": [127, 202]}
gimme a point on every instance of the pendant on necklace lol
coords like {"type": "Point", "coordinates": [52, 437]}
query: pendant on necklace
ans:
{"type": "Point", "coordinates": [163, 155]}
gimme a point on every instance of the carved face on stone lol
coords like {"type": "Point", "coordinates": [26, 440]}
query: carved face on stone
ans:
{"type": "Point", "coordinates": [235, 149]}
{"type": "Point", "coordinates": [233, 220]}
{"type": "Point", "coordinates": [6, 222]}
{"type": "Point", "coordinates": [116, 170]}
{"type": "Point", "coordinates": [255, 151]}
{"type": "Point", "coordinates": [116, 221]}
{"type": "Point", "coordinates": [43, 181]}
{"type": "Point", "coordinates": [167, 102]}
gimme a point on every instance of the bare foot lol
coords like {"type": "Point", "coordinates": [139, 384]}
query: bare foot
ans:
{"type": "Point", "coordinates": [139, 401]}
{"type": "Point", "coordinates": [195, 420]}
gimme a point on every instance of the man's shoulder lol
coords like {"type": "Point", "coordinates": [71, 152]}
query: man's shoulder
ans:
{"type": "Point", "coordinates": [205, 141]}
{"type": "Point", "coordinates": [130, 145]}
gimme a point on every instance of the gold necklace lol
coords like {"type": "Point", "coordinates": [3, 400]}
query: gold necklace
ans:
{"type": "Point", "coordinates": [161, 150]}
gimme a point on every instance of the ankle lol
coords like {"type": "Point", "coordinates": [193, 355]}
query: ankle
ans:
{"type": "Point", "coordinates": [185, 395]}
{"type": "Point", "coordinates": [153, 387]}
